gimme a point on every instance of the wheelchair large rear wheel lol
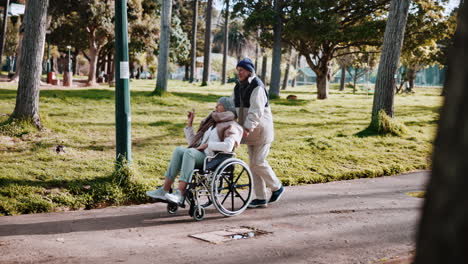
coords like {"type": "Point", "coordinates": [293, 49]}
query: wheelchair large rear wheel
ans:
{"type": "Point", "coordinates": [231, 187]}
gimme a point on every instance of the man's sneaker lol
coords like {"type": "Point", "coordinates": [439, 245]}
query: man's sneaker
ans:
{"type": "Point", "coordinates": [157, 194]}
{"type": "Point", "coordinates": [175, 197]}
{"type": "Point", "coordinates": [276, 195]}
{"type": "Point", "coordinates": [258, 203]}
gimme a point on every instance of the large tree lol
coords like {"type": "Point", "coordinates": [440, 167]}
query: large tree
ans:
{"type": "Point", "coordinates": [208, 41]}
{"type": "Point", "coordinates": [426, 28]}
{"type": "Point", "coordinates": [163, 59]}
{"type": "Point", "coordinates": [94, 18]}
{"type": "Point", "coordinates": [27, 98]}
{"type": "Point", "coordinates": [389, 59]}
{"type": "Point", "coordinates": [225, 42]}
{"type": "Point", "coordinates": [443, 229]}
{"type": "Point", "coordinates": [193, 49]}
{"type": "Point", "coordinates": [276, 61]}
{"type": "Point", "coordinates": [238, 40]}
{"type": "Point", "coordinates": [319, 29]}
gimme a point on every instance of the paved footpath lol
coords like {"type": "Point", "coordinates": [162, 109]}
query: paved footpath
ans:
{"type": "Point", "coordinates": [357, 221]}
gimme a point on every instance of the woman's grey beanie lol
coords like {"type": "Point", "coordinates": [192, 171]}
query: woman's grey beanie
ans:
{"type": "Point", "coordinates": [228, 104]}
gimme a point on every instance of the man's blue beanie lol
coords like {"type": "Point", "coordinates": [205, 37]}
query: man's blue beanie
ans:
{"type": "Point", "coordinates": [246, 64]}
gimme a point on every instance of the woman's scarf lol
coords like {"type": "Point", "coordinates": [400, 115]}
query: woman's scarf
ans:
{"type": "Point", "coordinates": [210, 121]}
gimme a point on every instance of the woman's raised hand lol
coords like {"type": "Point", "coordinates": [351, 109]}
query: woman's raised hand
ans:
{"type": "Point", "coordinates": [190, 117]}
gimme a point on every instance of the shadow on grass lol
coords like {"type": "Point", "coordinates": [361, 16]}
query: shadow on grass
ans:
{"type": "Point", "coordinates": [7, 94]}
{"type": "Point", "coordinates": [199, 97]}
{"type": "Point", "coordinates": [418, 109]}
{"type": "Point", "coordinates": [298, 102]}
{"type": "Point", "coordinates": [422, 123]}
{"type": "Point", "coordinates": [50, 184]}
{"type": "Point", "coordinates": [96, 94]}
{"type": "Point", "coordinates": [367, 132]}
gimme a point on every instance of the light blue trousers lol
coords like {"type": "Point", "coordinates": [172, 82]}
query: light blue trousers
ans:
{"type": "Point", "coordinates": [184, 160]}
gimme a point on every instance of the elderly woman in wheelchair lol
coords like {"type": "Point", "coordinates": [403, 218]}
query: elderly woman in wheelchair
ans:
{"type": "Point", "coordinates": [209, 172]}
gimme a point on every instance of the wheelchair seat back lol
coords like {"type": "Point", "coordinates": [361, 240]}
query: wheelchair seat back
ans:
{"type": "Point", "coordinates": [213, 162]}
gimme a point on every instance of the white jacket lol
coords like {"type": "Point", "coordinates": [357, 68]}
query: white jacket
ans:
{"type": "Point", "coordinates": [258, 118]}
{"type": "Point", "coordinates": [211, 138]}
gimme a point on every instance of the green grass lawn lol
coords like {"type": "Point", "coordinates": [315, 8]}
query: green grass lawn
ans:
{"type": "Point", "coordinates": [315, 142]}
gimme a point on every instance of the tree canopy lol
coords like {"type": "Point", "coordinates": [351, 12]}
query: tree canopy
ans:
{"type": "Point", "coordinates": [320, 29]}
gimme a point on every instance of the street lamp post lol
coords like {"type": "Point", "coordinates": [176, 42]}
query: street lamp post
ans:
{"type": "Point", "coordinates": [122, 89]}
{"type": "Point", "coordinates": [69, 59]}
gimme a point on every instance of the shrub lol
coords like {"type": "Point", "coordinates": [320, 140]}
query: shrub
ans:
{"type": "Point", "coordinates": [388, 125]}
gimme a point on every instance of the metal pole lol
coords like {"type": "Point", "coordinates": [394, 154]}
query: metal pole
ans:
{"type": "Point", "coordinates": [4, 29]}
{"type": "Point", "coordinates": [69, 59]}
{"type": "Point", "coordinates": [122, 89]}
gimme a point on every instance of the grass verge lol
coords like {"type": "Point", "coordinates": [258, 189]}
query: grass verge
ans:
{"type": "Point", "coordinates": [70, 163]}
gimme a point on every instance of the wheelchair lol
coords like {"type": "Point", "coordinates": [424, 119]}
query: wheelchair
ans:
{"type": "Point", "coordinates": [224, 182]}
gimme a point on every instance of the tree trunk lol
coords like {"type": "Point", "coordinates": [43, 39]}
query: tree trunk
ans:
{"type": "Point", "coordinates": [187, 74]}
{"type": "Point", "coordinates": [257, 50]}
{"type": "Point", "coordinates": [4, 29]}
{"type": "Point", "coordinates": [296, 66]}
{"type": "Point", "coordinates": [94, 50]}
{"type": "Point", "coordinates": [19, 51]}
{"type": "Point", "coordinates": [276, 62]}
{"type": "Point", "coordinates": [264, 67]}
{"type": "Point", "coordinates": [207, 52]}
{"type": "Point", "coordinates": [411, 78]}
{"type": "Point", "coordinates": [27, 99]}
{"type": "Point", "coordinates": [93, 57]}
{"type": "Point", "coordinates": [286, 73]}
{"type": "Point", "coordinates": [225, 46]}
{"type": "Point", "coordinates": [322, 86]}
{"type": "Point", "coordinates": [389, 59]}
{"type": "Point", "coordinates": [343, 78]}
{"type": "Point", "coordinates": [193, 51]}
{"type": "Point", "coordinates": [110, 66]}
{"type": "Point", "coordinates": [163, 59]}
{"type": "Point", "coordinates": [443, 229]}
{"type": "Point", "coordinates": [54, 64]}
{"type": "Point", "coordinates": [355, 76]}
{"type": "Point", "coordinates": [322, 70]}
{"type": "Point", "coordinates": [75, 62]}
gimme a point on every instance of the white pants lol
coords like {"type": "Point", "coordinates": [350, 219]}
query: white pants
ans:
{"type": "Point", "coordinates": [263, 176]}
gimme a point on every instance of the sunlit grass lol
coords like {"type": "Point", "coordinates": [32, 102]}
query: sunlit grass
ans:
{"type": "Point", "coordinates": [316, 141]}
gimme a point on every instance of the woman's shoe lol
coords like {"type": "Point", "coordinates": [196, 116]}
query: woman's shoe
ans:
{"type": "Point", "coordinates": [157, 194]}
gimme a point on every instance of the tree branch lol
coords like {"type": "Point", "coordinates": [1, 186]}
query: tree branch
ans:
{"type": "Point", "coordinates": [86, 56]}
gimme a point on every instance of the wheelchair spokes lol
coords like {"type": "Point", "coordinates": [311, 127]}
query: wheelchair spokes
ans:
{"type": "Point", "coordinates": [233, 189]}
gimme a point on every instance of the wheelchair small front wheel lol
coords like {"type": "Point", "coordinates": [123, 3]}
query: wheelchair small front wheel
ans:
{"type": "Point", "coordinates": [198, 213]}
{"type": "Point", "coordinates": [172, 208]}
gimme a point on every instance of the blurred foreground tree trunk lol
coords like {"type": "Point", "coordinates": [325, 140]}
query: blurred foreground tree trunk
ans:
{"type": "Point", "coordinates": [32, 52]}
{"type": "Point", "coordinates": [443, 229]}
